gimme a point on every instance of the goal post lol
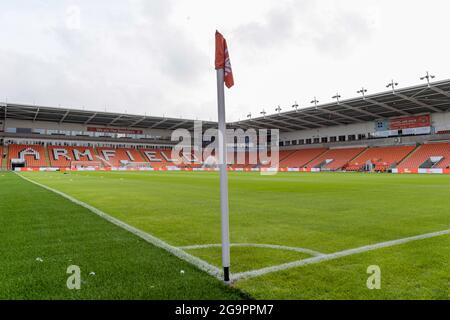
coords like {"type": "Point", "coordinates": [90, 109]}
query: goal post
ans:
{"type": "Point", "coordinates": [136, 165]}
{"type": "Point", "coordinates": [89, 165]}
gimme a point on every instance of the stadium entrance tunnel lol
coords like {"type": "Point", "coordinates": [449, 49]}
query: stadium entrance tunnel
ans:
{"type": "Point", "coordinates": [17, 163]}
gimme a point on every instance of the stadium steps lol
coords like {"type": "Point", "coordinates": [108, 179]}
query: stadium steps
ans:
{"type": "Point", "coordinates": [318, 156]}
{"type": "Point", "coordinates": [350, 163]}
{"type": "Point", "coordinates": [47, 156]}
{"type": "Point", "coordinates": [405, 159]}
{"type": "Point", "coordinates": [311, 160]}
{"type": "Point", "coordinates": [359, 154]}
{"type": "Point", "coordinates": [341, 158]}
{"type": "Point", "coordinates": [286, 155]}
{"type": "Point", "coordinates": [355, 157]}
{"type": "Point", "coordinates": [409, 155]}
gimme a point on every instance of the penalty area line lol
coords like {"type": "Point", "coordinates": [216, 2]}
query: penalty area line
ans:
{"type": "Point", "coordinates": [335, 255]}
{"type": "Point", "coordinates": [183, 255]}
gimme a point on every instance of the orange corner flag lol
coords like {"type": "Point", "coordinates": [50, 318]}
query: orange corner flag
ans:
{"type": "Point", "coordinates": [223, 59]}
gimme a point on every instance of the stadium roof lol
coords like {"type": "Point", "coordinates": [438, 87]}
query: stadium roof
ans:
{"type": "Point", "coordinates": [431, 98]}
{"type": "Point", "coordinates": [94, 118]}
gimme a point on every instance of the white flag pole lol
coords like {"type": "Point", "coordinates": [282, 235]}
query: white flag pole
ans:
{"type": "Point", "coordinates": [223, 176]}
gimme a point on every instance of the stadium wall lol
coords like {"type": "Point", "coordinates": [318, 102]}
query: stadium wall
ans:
{"type": "Point", "coordinates": [380, 142]}
{"type": "Point", "coordinates": [439, 122]}
{"type": "Point", "coordinates": [73, 127]}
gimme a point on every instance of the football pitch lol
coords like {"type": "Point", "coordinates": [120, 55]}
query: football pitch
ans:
{"type": "Point", "coordinates": [293, 235]}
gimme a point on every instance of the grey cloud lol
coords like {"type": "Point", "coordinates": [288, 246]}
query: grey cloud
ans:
{"type": "Point", "coordinates": [129, 54]}
{"type": "Point", "coordinates": [304, 24]}
{"type": "Point", "coordinates": [342, 34]}
{"type": "Point", "coordinates": [276, 29]}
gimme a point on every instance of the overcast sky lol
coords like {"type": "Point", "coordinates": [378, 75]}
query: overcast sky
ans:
{"type": "Point", "coordinates": [156, 57]}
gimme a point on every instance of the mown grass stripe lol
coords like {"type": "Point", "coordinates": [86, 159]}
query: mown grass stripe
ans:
{"type": "Point", "coordinates": [197, 262]}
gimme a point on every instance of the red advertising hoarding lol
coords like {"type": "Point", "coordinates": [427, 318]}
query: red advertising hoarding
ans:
{"type": "Point", "coordinates": [410, 122]}
{"type": "Point", "coordinates": [114, 130]}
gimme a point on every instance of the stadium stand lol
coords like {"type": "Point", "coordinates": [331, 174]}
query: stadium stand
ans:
{"type": "Point", "coordinates": [335, 159]}
{"type": "Point", "coordinates": [380, 158]}
{"type": "Point", "coordinates": [62, 156]}
{"type": "Point", "coordinates": [334, 136]}
{"type": "Point", "coordinates": [299, 158]}
{"type": "Point", "coordinates": [34, 155]}
{"type": "Point", "coordinates": [428, 155]}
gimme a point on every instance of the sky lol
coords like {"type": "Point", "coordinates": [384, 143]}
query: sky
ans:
{"type": "Point", "coordinates": [156, 57]}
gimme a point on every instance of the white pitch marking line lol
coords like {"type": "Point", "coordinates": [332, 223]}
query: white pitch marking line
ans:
{"type": "Point", "coordinates": [336, 255]}
{"type": "Point", "coordinates": [199, 263]}
{"type": "Point", "coordinates": [256, 245]}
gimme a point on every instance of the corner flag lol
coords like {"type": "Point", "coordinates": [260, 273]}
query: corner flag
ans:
{"type": "Point", "coordinates": [224, 76]}
{"type": "Point", "coordinates": [223, 59]}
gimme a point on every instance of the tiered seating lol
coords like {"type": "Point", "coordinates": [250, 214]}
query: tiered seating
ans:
{"type": "Point", "coordinates": [62, 156]}
{"type": "Point", "coordinates": [158, 158]}
{"type": "Point", "coordinates": [340, 158]}
{"type": "Point", "coordinates": [299, 158]}
{"type": "Point", "coordinates": [382, 157]}
{"type": "Point", "coordinates": [34, 155]}
{"type": "Point", "coordinates": [425, 152]}
{"type": "Point", "coordinates": [114, 156]}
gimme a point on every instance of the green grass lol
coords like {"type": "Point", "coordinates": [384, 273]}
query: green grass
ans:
{"type": "Point", "coordinates": [40, 224]}
{"type": "Point", "coordinates": [322, 212]}
{"type": "Point", "coordinates": [249, 258]}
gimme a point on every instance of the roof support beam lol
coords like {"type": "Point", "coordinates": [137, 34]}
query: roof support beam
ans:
{"type": "Point", "coordinates": [439, 90]}
{"type": "Point", "coordinates": [90, 118]}
{"type": "Point", "coordinates": [243, 126]}
{"type": "Point", "coordinates": [36, 114]}
{"type": "Point", "coordinates": [322, 119]}
{"type": "Point", "coordinates": [138, 121]}
{"type": "Point", "coordinates": [367, 113]}
{"type": "Point", "coordinates": [288, 124]}
{"type": "Point", "coordinates": [302, 121]}
{"type": "Point", "coordinates": [116, 119]}
{"type": "Point", "coordinates": [158, 123]}
{"type": "Point", "coordinates": [340, 115]}
{"type": "Point", "coordinates": [64, 117]}
{"type": "Point", "coordinates": [384, 105]}
{"type": "Point", "coordinates": [178, 125]}
{"type": "Point", "coordinates": [414, 100]}
{"type": "Point", "coordinates": [260, 124]}
{"type": "Point", "coordinates": [296, 125]}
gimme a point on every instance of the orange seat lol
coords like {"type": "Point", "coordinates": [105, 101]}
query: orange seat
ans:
{"type": "Point", "coordinates": [299, 158]}
{"type": "Point", "coordinates": [426, 151]}
{"type": "Point", "coordinates": [340, 158]}
{"type": "Point", "coordinates": [34, 155]}
{"type": "Point", "coordinates": [62, 156]}
{"type": "Point", "coordinates": [382, 157]}
{"type": "Point", "coordinates": [158, 158]}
